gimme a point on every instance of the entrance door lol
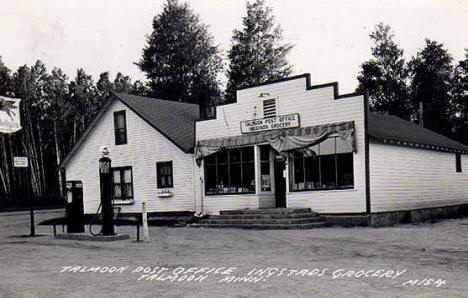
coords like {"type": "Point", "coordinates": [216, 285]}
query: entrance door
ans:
{"type": "Point", "coordinates": [75, 208]}
{"type": "Point", "coordinates": [280, 183]}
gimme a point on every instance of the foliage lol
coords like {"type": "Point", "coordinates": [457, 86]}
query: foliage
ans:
{"type": "Point", "coordinates": [180, 59]}
{"type": "Point", "coordinates": [257, 53]}
{"type": "Point", "coordinates": [384, 76]}
{"type": "Point", "coordinates": [431, 76]}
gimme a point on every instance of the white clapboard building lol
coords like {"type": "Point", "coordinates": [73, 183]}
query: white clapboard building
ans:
{"type": "Point", "coordinates": [281, 144]}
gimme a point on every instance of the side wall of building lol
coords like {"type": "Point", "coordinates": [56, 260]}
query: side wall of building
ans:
{"type": "Point", "coordinates": [316, 106]}
{"type": "Point", "coordinates": [145, 146]}
{"type": "Point", "coordinates": [403, 178]}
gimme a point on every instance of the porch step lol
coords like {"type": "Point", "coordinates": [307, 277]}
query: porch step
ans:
{"type": "Point", "coordinates": [266, 216]}
{"type": "Point", "coordinates": [267, 211]}
{"type": "Point", "coordinates": [263, 226]}
{"type": "Point", "coordinates": [278, 218]}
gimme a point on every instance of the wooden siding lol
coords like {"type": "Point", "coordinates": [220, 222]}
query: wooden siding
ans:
{"type": "Point", "coordinates": [145, 146]}
{"type": "Point", "coordinates": [316, 107]}
{"type": "Point", "coordinates": [403, 178]}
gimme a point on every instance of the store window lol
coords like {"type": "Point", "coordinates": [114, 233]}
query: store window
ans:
{"type": "Point", "coordinates": [230, 171]}
{"type": "Point", "coordinates": [120, 128]}
{"type": "Point", "coordinates": [328, 165]}
{"type": "Point", "coordinates": [458, 164]}
{"type": "Point", "coordinates": [122, 183]}
{"type": "Point", "coordinates": [265, 168]}
{"type": "Point", "coordinates": [164, 172]}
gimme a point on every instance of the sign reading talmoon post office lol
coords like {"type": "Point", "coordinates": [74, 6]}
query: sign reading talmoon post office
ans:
{"type": "Point", "coordinates": [9, 115]}
{"type": "Point", "coordinates": [20, 161]}
{"type": "Point", "coordinates": [279, 122]}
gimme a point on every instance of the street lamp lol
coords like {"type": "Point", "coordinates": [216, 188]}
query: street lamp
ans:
{"type": "Point", "coordinates": [105, 176]}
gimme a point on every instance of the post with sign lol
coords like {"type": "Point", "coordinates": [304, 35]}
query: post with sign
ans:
{"type": "Point", "coordinates": [22, 162]}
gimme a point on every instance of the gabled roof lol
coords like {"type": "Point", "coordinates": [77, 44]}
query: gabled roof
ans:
{"type": "Point", "coordinates": [174, 120]}
{"type": "Point", "coordinates": [394, 130]}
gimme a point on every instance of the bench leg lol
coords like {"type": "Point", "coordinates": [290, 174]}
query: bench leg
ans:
{"type": "Point", "coordinates": [138, 232]}
{"type": "Point", "coordinates": [55, 231]}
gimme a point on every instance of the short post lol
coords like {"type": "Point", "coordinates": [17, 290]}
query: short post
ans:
{"type": "Point", "coordinates": [105, 175]}
{"type": "Point", "coordinates": [144, 216]}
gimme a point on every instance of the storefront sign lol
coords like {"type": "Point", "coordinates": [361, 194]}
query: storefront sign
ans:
{"type": "Point", "coordinates": [279, 122]}
{"type": "Point", "coordinates": [20, 161]}
{"type": "Point", "coordinates": [9, 115]}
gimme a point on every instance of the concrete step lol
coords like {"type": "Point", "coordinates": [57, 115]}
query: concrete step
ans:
{"type": "Point", "coordinates": [267, 211]}
{"type": "Point", "coordinates": [262, 226]}
{"type": "Point", "coordinates": [283, 221]}
{"type": "Point", "coordinates": [265, 216]}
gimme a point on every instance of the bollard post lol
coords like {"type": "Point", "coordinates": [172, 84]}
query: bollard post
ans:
{"type": "Point", "coordinates": [144, 216]}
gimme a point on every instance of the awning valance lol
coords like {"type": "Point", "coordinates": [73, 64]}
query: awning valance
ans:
{"type": "Point", "coordinates": [281, 140]}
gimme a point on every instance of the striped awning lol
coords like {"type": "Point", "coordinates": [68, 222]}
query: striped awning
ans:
{"type": "Point", "coordinates": [281, 140]}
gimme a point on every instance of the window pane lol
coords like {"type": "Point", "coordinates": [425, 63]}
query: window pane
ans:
{"type": "Point", "coordinates": [248, 154]}
{"type": "Point", "coordinates": [236, 176]}
{"type": "Point", "coordinates": [117, 191]}
{"type": "Point", "coordinates": [116, 176]}
{"type": "Point", "coordinates": [265, 168]}
{"type": "Point", "coordinates": [299, 170]}
{"type": "Point", "coordinates": [222, 176]}
{"type": "Point", "coordinates": [210, 159]}
{"type": "Point", "coordinates": [312, 174]}
{"type": "Point", "coordinates": [234, 155]}
{"type": "Point", "coordinates": [163, 181]}
{"type": "Point", "coordinates": [128, 176]}
{"type": "Point", "coordinates": [127, 191]}
{"type": "Point", "coordinates": [210, 179]}
{"type": "Point", "coordinates": [222, 156]}
{"type": "Point", "coordinates": [328, 171]}
{"type": "Point", "coordinates": [327, 146]}
{"type": "Point", "coordinates": [265, 153]}
{"type": "Point", "coordinates": [345, 170]}
{"type": "Point", "coordinates": [120, 120]}
{"type": "Point", "coordinates": [169, 180]}
{"type": "Point", "coordinates": [248, 176]}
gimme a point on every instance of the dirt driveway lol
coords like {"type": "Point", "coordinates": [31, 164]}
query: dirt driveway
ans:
{"type": "Point", "coordinates": [427, 260]}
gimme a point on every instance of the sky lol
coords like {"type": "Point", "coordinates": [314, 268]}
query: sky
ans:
{"type": "Point", "coordinates": [330, 37]}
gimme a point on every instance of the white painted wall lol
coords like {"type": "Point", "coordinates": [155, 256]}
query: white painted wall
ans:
{"type": "Point", "coordinates": [403, 178]}
{"type": "Point", "coordinates": [145, 146]}
{"type": "Point", "coordinates": [315, 107]}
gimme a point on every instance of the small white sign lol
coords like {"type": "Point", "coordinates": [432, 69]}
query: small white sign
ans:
{"type": "Point", "coordinates": [20, 161]}
{"type": "Point", "coordinates": [279, 122]}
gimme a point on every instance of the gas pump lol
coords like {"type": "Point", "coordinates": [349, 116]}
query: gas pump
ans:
{"type": "Point", "coordinates": [74, 207]}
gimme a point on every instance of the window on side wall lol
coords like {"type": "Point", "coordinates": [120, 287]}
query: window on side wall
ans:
{"type": "Point", "coordinates": [328, 165]}
{"type": "Point", "coordinates": [164, 172]}
{"type": "Point", "coordinates": [120, 128]}
{"type": "Point", "coordinates": [122, 179]}
{"type": "Point", "coordinates": [230, 171]}
{"type": "Point", "coordinates": [458, 164]}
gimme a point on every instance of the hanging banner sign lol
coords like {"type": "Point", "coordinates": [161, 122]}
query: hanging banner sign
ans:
{"type": "Point", "coordinates": [20, 161]}
{"type": "Point", "coordinates": [279, 122]}
{"type": "Point", "coordinates": [9, 114]}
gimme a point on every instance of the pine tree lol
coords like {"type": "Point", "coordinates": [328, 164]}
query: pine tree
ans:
{"type": "Point", "coordinates": [180, 59]}
{"type": "Point", "coordinates": [4, 78]}
{"type": "Point", "coordinates": [384, 76]}
{"type": "Point", "coordinates": [431, 74]}
{"type": "Point", "coordinates": [257, 53]}
{"type": "Point", "coordinates": [459, 93]}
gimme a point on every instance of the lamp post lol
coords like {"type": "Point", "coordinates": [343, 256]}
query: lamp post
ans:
{"type": "Point", "coordinates": [105, 176]}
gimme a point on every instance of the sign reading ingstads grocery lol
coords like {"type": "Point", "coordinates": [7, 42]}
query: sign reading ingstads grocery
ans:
{"type": "Point", "coordinates": [9, 115]}
{"type": "Point", "coordinates": [279, 122]}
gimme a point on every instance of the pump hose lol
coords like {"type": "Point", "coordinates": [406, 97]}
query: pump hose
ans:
{"type": "Point", "coordinates": [93, 221]}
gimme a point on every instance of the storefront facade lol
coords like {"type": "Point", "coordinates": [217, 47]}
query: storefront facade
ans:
{"type": "Point", "coordinates": [284, 144]}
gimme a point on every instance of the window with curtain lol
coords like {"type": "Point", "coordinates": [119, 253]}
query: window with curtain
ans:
{"type": "Point", "coordinates": [328, 165]}
{"type": "Point", "coordinates": [164, 171]}
{"type": "Point", "coordinates": [120, 128]}
{"type": "Point", "coordinates": [230, 171]}
{"type": "Point", "coordinates": [122, 180]}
